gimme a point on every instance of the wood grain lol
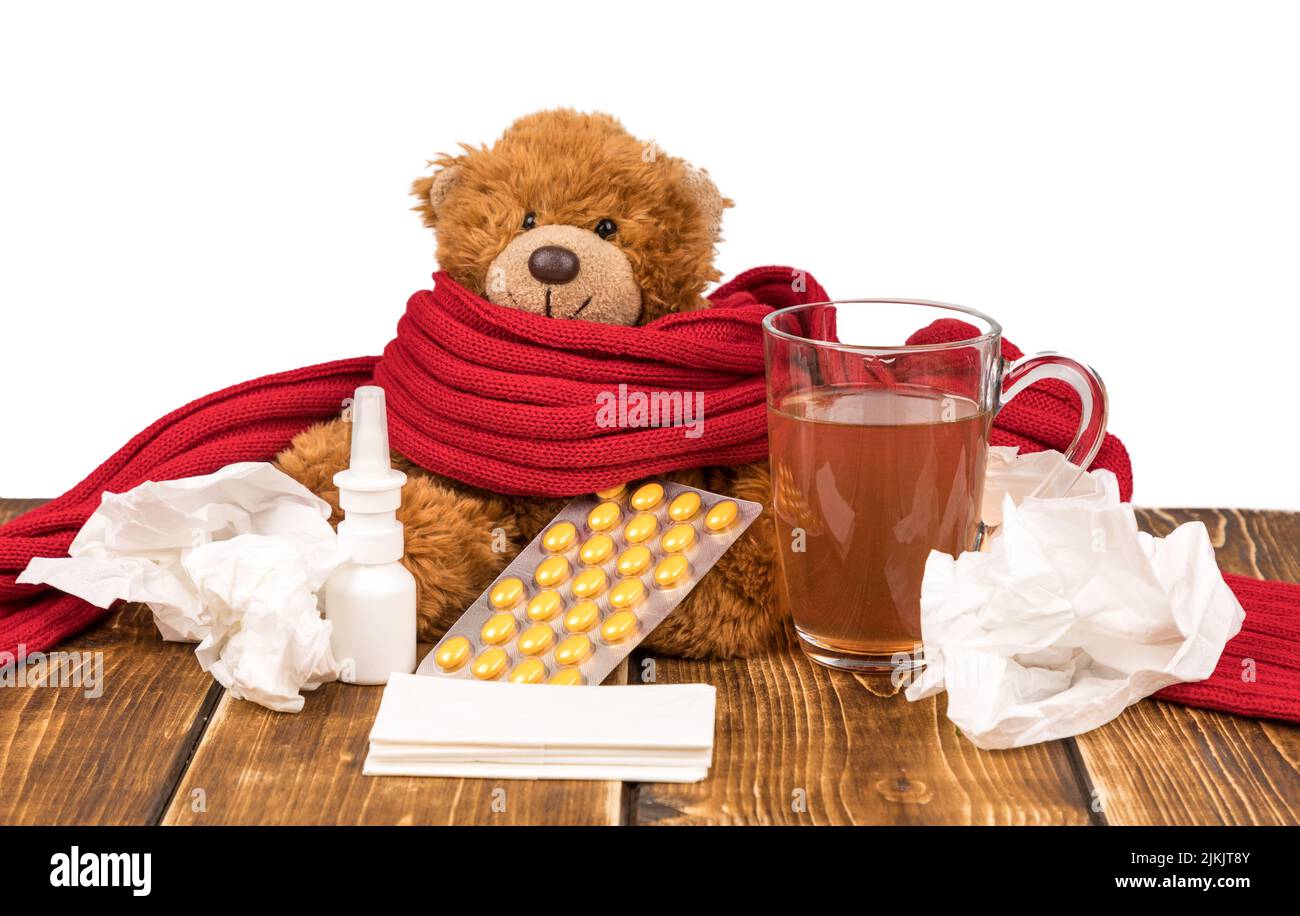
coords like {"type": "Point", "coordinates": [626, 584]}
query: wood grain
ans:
{"type": "Point", "coordinates": [12, 508]}
{"type": "Point", "coordinates": [1160, 763]}
{"type": "Point", "coordinates": [70, 758]}
{"type": "Point", "coordinates": [797, 743]}
{"type": "Point", "coordinates": [254, 766]}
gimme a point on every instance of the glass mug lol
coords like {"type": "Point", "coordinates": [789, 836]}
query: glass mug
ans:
{"type": "Point", "coordinates": [878, 415]}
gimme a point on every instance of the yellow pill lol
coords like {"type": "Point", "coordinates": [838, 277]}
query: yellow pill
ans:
{"type": "Point", "coordinates": [722, 515]}
{"type": "Point", "coordinates": [559, 537]}
{"type": "Point", "coordinates": [507, 593]}
{"type": "Point", "coordinates": [604, 517]}
{"type": "Point", "coordinates": [545, 605]}
{"type": "Point", "coordinates": [628, 593]}
{"type": "Point", "coordinates": [634, 561]}
{"type": "Point", "coordinates": [677, 538]}
{"type": "Point", "coordinates": [529, 671]}
{"type": "Point", "coordinates": [536, 639]}
{"type": "Point", "coordinates": [684, 507]}
{"type": "Point", "coordinates": [551, 571]}
{"type": "Point", "coordinates": [568, 677]}
{"type": "Point", "coordinates": [597, 550]}
{"type": "Point", "coordinates": [647, 497]}
{"type": "Point", "coordinates": [612, 492]}
{"type": "Point", "coordinates": [573, 650]}
{"type": "Point", "coordinates": [618, 627]}
{"type": "Point", "coordinates": [590, 583]}
{"type": "Point", "coordinates": [489, 664]}
{"type": "Point", "coordinates": [671, 570]}
{"type": "Point", "coordinates": [582, 617]}
{"type": "Point", "coordinates": [452, 653]}
{"type": "Point", "coordinates": [642, 527]}
{"type": "Point", "coordinates": [498, 629]}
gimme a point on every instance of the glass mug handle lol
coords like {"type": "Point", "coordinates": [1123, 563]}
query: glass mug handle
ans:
{"type": "Point", "coordinates": [1087, 384]}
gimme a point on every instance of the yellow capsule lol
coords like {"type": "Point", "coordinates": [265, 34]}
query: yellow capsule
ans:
{"type": "Point", "coordinates": [628, 593]}
{"type": "Point", "coordinates": [545, 605]}
{"type": "Point", "coordinates": [507, 593]}
{"type": "Point", "coordinates": [582, 617]}
{"type": "Point", "coordinates": [618, 627]}
{"type": "Point", "coordinates": [612, 492]}
{"type": "Point", "coordinates": [647, 497]}
{"type": "Point", "coordinates": [559, 537]}
{"type": "Point", "coordinates": [551, 572]}
{"type": "Point", "coordinates": [634, 561]}
{"type": "Point", "coordinates": [529, 671]}
{"type": "Point", "coordinates": [573, 650]}
{"type": "Point", "coordinates": [536, 639]}
{"type": "Point", "coordinates": [684, 507]}
{"type": "Point", "coordinates": [489, 664]}
{"type": "Point", "coordinates": [590, 583]}
{"type": "Point", "coordinates": [678, 538]}
{"type": "Point", "coordinates": [604, 517]}
{"type": "Point", "coordinates": [452, 653]}
{"type": "Point", "coordinates": [722, 515]}
{"type": "Point", "coordinates": [568, 677]}
{"type": "Point", "coordinates": [642, 527]}
{"type": "Point", "coordinates": [498, 629]}
{"type": "Point", "coordinates": [597, 550]}
{"type": "Point", "coordinates": [671, 570]}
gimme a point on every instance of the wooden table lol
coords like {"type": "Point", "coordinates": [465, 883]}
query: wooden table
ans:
{"type": "Point", "coordinates": [796, 744]}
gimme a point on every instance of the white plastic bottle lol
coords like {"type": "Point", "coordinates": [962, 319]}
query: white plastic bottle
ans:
{"type": "Point", "coordinates": [370, 599]}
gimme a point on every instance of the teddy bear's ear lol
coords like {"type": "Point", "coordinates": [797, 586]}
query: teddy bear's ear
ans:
{"type": "Point", "coordinates": [711, 202]}
{"type": "Point", "coordinates": [431, 191]}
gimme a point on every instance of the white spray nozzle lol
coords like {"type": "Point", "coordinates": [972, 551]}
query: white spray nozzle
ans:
{"type": "Point", "coordinates": [369, 433]}
{"type": "Point", "coordinates": [370, 490]}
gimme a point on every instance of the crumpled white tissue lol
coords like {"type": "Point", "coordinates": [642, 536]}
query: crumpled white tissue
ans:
{"type": "Point", "coordinates": [1071, 614]}
{"type": "Point", "coordinates": [232, 560]}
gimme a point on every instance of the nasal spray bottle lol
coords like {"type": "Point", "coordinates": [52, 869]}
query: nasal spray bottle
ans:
{"type": "Point", "coordinates": [370, 599]}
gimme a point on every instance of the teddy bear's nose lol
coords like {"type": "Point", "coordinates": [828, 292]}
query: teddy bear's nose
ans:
{"type": "Point", "coordinates": [553, 264]}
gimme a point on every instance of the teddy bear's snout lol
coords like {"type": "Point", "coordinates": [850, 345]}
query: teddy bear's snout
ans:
{"type": "Point", "coordinates": [553, 264]}
{"type": "Point", "coordinates": [565, 271]}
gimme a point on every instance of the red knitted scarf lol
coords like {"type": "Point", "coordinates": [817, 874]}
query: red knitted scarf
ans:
{"type": "Point", "coordinates": [503, 399]}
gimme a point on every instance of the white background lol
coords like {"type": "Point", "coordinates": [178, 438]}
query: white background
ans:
{"type": "Point", "coordinates": [192, 197]}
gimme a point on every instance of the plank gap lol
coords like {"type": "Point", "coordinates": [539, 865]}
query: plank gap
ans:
{"type": "Point", "coordinates": [198, 728]}
{"type": "Point", "coordinates": [1096, 818]}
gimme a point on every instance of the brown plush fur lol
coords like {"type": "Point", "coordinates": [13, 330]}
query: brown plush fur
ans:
{"type": "Point", "coordinates": [574, 170]}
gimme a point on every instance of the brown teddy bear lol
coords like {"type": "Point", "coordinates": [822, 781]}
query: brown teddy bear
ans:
{"type": "Point", "coordinates": [570, 216]}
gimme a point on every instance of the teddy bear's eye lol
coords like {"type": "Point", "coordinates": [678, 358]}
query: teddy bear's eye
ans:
{"type": "Point", "coordinates": [530, 220]}
{"type": "Point", "coordinates": [605, 228]}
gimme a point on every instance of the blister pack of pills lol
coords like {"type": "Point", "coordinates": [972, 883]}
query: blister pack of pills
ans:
{"type": "Point", "coordinates": [592, 585]}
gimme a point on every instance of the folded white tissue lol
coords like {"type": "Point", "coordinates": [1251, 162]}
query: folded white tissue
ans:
{"type": "Point", "coordinates": [231, 560]}
{"type": "Point", "coordinates": [438, 726]}
{"type": "Point", "coordinates": [1071, 614]}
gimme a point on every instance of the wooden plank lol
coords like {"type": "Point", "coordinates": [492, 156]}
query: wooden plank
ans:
{"type": "Point", "coordinates": [255, 766]}
{"type": "Point", "coordinates": [797, 743]}
{"type": "Point", "coordinates": [12, 508]}
{"type": "Point", "coordinates": [784, 726]}
{"type": "Point", "coordinates": [68, 756]}
{"type": "Point", "coordinates": [1160, 763]}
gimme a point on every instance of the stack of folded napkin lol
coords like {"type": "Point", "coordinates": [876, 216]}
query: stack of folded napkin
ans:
{"type": "Point", "coordinates": [439, 726]}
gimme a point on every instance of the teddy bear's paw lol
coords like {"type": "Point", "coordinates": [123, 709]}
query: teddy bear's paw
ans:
{"type": "Point", "coordinates": [456, 544]}
{"type": "Point", "coordinates": [716, 622]}
{"type": "Point", "coordinates": [732, 611]}
{"type": "Point", "coordinates": [313, 458]}
{"type": "Point", "coordinates": [749, 567]}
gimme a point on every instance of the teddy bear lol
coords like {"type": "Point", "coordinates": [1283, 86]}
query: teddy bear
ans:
{"type": "Point", "coordinates": [570, 216]}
